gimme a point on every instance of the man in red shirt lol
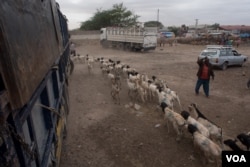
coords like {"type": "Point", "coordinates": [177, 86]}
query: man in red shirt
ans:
{"type": "Point", "coordinates": [204, 73]}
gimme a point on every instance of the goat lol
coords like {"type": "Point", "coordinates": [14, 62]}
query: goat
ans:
{"type": "Point", "coordinates": [244, 139]}
{"type": "Point", "coordinates": [201, 128]}
{"type": "Point", "coordinates": [232, 144]}
{"type": "Point", "coordinates": [176, 119]}
{"type": "Point", "coordinates": [207, 146]}
{"type": "Point", "coordinates": [214, 130]}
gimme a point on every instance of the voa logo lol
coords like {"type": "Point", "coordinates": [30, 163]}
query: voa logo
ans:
{"type": "Point", "coordinates": [236, 158]}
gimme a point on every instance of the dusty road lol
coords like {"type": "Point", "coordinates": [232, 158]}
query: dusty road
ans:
{"type": "Point", "coordinates": [103, 134]}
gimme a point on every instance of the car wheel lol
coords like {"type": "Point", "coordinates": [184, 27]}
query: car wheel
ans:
{"type": "Point", "coordinates": [224, 66]}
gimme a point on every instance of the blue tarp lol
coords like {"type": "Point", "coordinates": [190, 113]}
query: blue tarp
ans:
{"type": "Point", "coordinates": [245, 35]}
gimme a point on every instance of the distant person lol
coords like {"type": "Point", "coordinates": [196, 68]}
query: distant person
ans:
{"type": "Point", "coordinates": [72, 49]}
{"type": "Point", "coordinates": [204, 73]}
{"type": "Point", "coordinates": [238, 41]}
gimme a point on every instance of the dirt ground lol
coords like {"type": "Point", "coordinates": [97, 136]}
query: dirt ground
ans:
{"type": "Point", "coordinates": [104, 134]}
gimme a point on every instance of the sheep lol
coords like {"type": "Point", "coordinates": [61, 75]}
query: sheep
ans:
{"type": "Point", "coordinates": [110, 75]}
{"type": "Point", "coordinates": [144, 85]}
{"type": "Point", "coordinates": [201, 128]}
{"type": "Point", "coordinates": [90, 66]}
{"type": "Point", "coordinates": [135, 88]}
{"type": "Point", "coordinates": [244, 139]}
{"type": "Point", "coordinates": [172, 93]}
{"type": "Point", "coordinates": [132, 88]}
{"type": "Point", "coordinates": [232, 144]}
{"type": "Point", "coordinates": [207, 146]}
{"type": "Point", "coordinates": [81, 58]}
{"type": "Point", "coordinates": [115, 91]}
{"type": "Point", "coordinates": [152, 89]}
{"type": "Point", "coordinates": [214, 130]}
{"type": "Point", "coordinates": [104, 70]}
{"type": "Point", "coordinates": [133, 76]}
{"type": "Point", "coordinates": [163, 97]}
{"type": "Point", "coordinates": [176, 119]}
{"type": "Point", "coordinates": [90, 60]}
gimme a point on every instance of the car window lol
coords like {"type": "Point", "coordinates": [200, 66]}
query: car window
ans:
{"type": "Point", "coordinates": [230, 53]}
{"type": "Point", "coordinates": [210, 53]}
{"type": "Point", "coordinates": [223, 53]}
{"type": "Point", "coordinates": [235, 53]}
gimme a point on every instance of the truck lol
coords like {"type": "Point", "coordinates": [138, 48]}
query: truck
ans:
{"type": "Point", "coordinates": [129, 38]}
{"type": "Point", "coordinates": [34, 72]}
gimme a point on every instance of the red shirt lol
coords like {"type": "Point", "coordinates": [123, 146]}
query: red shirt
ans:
{"type": "Point", "coordinates": [204, 74]}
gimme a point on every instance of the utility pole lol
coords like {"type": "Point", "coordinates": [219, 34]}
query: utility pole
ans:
{"type": "Point", "coordinates": [158, 20]}
{"type": "Point", "coordinates": [196, 24]}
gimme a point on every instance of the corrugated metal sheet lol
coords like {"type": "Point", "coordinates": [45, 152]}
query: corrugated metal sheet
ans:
{"type": "Point", "coordinates": [29, 45]}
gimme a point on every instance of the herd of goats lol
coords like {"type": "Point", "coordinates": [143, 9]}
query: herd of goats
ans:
{"type": "Point", "coordinates": [207, 136]}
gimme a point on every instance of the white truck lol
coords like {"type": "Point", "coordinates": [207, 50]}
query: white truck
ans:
{"type": "Point", "coordinates": [133, 38]}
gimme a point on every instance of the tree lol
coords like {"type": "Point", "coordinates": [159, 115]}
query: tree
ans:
{"type": "Point", "coordinates": [153, 24]}
{"type": "Point", "coordinates": [117, 16]}
{"type": "Point", "coordinates": [215, 26]}
{"type": "Point", "coordinates": [174, 30]}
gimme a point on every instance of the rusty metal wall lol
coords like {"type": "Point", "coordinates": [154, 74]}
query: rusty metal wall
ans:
{"type": "Point", "coordinates": [29, 45]}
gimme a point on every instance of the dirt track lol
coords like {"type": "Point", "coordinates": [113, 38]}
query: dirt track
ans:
{"type": "Point", "coordinates": [102, 134]}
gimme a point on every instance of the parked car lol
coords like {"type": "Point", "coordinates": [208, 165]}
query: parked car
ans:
{"type": "Point", "coordinates": [223, 56]}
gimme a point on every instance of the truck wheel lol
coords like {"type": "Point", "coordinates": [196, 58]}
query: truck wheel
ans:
{"type": "Point", "coordinates": [121, 46]}
{"type": "Point", "coordinates": [127, 47]}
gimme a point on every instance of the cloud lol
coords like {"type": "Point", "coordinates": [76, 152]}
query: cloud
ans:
{"type": "Point", "coordinates": [171, 12]}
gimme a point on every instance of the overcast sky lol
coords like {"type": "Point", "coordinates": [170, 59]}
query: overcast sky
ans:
{"type": "Point", "coordinates": [171, 12]}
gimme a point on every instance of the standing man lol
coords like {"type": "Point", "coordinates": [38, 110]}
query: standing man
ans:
{"type": "Point", "coordinates": [204, 73]}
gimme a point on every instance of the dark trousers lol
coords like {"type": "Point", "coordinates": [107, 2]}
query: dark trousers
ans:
{"type": "Point", "coordinates": [204, 83]}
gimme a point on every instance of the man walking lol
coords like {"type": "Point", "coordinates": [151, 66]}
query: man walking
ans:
{"type": "Point", "coordinates": [204, 73]}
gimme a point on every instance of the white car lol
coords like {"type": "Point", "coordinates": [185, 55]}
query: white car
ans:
{"type": "Point", "coordinates": [223, 56]}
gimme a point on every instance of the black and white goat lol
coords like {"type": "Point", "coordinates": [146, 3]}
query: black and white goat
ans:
{"type": "Point", "coordinates": [214, 130]}
{"type": "Point", "coordinates": [201, 128]}
{"type": "Point", "coordinates": [207, 146]}
{"type": "Point", "coordinates": [174, 118]}
{"type": "Point", "coordinates": [166, 98]}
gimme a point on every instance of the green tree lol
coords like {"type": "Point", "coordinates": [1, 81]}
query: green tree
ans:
{"type": "Point", "coordinates": [174, 29]}
{"type": "Point", "coordinates": [215, 26]}
{"type": "Point", "coordinates": [117, 16]}
{"type": "Point", "coordinates": [153, 24]}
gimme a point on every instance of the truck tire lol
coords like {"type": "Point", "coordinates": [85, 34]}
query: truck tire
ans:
{"type": "Point", "coordinates": [104, 43]}
{"type": "Point", "coordinates": [127, 47]}
{"type": "Point", "coordinates": [121, 46]}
